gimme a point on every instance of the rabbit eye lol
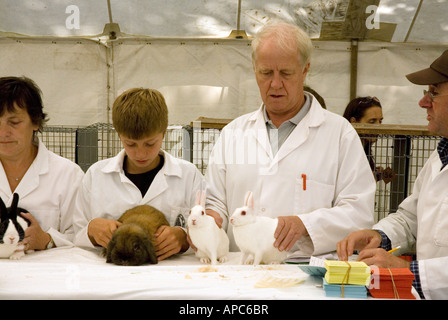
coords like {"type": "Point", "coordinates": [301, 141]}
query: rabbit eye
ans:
{"type": "Point", "coordinates": [243, 213]}
{"type": "Point", "coordinates": [202, 212]}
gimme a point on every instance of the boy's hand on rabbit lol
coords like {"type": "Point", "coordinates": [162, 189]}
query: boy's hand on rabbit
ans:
{"type": "Point", "coordinates": [169, 241]}
{"type": "Point", "coordinates": [100, 231]}
{"type": "Point", "coordinates": [289, 230]}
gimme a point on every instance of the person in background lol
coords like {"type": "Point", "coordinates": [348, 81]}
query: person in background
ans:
{"type": "Point", "coordinates": [421, 221]}
{"type": "Point", "coordinates": [366, 110]}
{"type": "Point", "coordinates": [45, 182]}
{"type": "Point", "coordinates": [142, 173]}
{"type": "Point", "coordinates": [316, 95]}
{"type": "Point", "coordinates": [304, 164]}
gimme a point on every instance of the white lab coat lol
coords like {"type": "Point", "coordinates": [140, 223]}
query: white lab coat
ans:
{"type": "Point", "coordinates": [106, 192]}
{"type": "Point", "coordinates": [421, 222]}
{"type": "Point", "coordinates": [340, 188]}
{"type": "Point", "coordinates": [48, 191]}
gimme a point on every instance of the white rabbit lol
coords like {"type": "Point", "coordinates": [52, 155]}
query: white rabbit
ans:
{"type": "Point", "coordinates": [210, 240]}
{"type": "Point", "coordinates": [254, 235]}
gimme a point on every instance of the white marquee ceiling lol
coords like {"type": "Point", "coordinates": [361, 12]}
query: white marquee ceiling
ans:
{"type": "Point", "coordinates": [211, 18]}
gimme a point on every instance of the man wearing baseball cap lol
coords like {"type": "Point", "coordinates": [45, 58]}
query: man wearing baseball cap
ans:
{"type": "Point", "coordinates": [421, 221]}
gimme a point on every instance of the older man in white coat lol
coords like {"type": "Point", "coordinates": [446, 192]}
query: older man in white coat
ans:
{"type": "Point", "coordinates": [304, 164]}
{"type": "Point", "coordinates": [422, 218]}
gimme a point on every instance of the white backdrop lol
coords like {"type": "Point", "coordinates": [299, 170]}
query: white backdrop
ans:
{"type": "Point", "coordinates": [181, 48]}
{"type": "Point", "coordinates": [211, 78]}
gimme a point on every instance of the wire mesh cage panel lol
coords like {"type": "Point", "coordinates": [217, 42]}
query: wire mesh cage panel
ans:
{"type": "Point", "coordinates": [203, 142]}
{"type": "Point", "coordinates": [397, 162]}
{"type": "Point", "coordinates": [396, 158]}
{"type": "Point", "coordinates": [61, 140]}
{"type": "Point", "coordinates": [87, 145]}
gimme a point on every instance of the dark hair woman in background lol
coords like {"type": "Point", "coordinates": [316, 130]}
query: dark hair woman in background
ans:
{"type": "Point", "coordinates": [366, 110]}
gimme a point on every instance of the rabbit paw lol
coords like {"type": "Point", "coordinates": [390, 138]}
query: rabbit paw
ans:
{"type": "Point", "coordinates": [205, 260]}
{"type": "Point", "coordinates": [17, 255]}
{"type": "Point", "coordinates": [222, 259]}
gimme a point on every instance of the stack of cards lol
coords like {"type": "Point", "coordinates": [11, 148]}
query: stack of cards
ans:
{"type": "Point", "coordinates": [347, 272]}
{"type": "Point", "coordinates": [345, 290]}
{"type": "Point", "coordinates": [393, 283]}
{"type": "Point", "coordinates": [347, 279]}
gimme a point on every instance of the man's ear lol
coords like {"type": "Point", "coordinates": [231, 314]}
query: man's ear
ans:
{"type": "Point", "coordinates": [306, 69]}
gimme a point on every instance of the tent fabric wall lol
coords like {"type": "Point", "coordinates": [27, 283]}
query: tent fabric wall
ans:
{"type": "Point", "coordinates": [197, 78]}
{"type": "Point", "coordinates": [211, 78]}
{"type": "Point", "coordinates": [181, 48]}
{"type": "Point", "coordinates": [71, 74]}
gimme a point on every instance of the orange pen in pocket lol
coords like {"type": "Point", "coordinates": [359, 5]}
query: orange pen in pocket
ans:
{"type": "Point", "coordinates": [304, 181]}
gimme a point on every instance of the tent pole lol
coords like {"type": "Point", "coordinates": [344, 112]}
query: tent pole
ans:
{"type": "Point", "coordinates": [109, 9]}
{"type": "Point", "coordinates": [353, 68]}
{"type": "Point", "coordinates": [413, 21]}
{"type": "Point", "coordinates": [238, 16]}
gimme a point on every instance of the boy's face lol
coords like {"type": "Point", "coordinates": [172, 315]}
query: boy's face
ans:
{"type": "Point", "coordinates": [143, 153]}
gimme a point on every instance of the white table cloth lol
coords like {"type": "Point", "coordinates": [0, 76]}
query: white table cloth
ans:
{"type": "Point", "coordinates": [76, 273]}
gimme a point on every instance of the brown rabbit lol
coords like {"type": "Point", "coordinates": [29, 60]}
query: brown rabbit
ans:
{"type": "Point", "coordinates": [132, 244]}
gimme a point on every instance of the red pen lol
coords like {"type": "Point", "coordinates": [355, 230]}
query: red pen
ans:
{"type": "Point", "coordinates": [304, 181]}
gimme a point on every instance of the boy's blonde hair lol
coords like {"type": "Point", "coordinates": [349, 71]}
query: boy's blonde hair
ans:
{"type": "Point", "coordinates": [138, 113]}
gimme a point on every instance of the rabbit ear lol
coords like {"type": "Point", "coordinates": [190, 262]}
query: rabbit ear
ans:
{"type": "Point", "coordinates": [203, 198]}
{"type": "Point", "coordinates": [198, 198]}
{"type": "Point", "coordinates": [249, 200]}
{"type": "Point", "coordinates": [3, 211]}
{"type": "Point", "coordinates": [15, 202]}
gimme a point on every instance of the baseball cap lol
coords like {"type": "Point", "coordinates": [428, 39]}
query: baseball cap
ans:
{"type": "Point", "coordinates": [436, 73]}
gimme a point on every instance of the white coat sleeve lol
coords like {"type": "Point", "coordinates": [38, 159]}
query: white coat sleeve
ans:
{"type": "Point", "coordinates": [401, 226]}
{"type": "Point", "coordinates": [353, 201]}
{"type": "Point", "coordinates": [82, 216]}
{"type": "Point", "coordinates": [215, 179]}
{"type": "Point", "coordinates": [64, 236]}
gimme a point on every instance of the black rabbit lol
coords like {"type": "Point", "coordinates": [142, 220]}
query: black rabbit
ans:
{"type": "Point", "coordinates": [12, 230]}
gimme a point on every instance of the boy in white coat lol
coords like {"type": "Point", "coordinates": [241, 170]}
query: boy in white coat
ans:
{"type": "Point", "coordinates": [422, 218]}
{"type": "Point", "coordinates": [142, 173]}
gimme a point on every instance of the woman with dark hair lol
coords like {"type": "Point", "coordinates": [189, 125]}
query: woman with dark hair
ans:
{"type": "Point", "coordinates": [366, 110]}
{"type": "Point", "coordinates": [45, 182]}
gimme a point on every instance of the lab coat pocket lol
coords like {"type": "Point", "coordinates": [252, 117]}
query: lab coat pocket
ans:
{"type": "Point", "coordinates": [312, 195]}
{"type": "Point", "coordinates": [441, 225]}
{"type": "Point", "coordinates": [179, 216]}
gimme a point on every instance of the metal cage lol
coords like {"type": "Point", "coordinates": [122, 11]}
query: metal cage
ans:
{"type": "Point", "coordinates": [397, 152]}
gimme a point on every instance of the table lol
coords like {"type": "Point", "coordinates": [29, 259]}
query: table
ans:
{"type": "Point", "coordinates": [77, 273]}
{"type": "Point", "coordinates": [71, 273]}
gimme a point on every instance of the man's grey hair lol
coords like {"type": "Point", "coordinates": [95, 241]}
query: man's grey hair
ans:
{"type": "Point", "coordinates": [289, 37]}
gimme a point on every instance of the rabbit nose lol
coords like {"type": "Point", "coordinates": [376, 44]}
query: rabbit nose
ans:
{"type": "Point", "coordinates": [12, 239]}
{"type": "Point", "coordinates": [194, 221]}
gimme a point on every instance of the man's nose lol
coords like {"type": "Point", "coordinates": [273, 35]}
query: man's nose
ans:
{"type": "Point", "coordinates": [425, 102]}
{"type": "Point", "coordinates": [276, 82]}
